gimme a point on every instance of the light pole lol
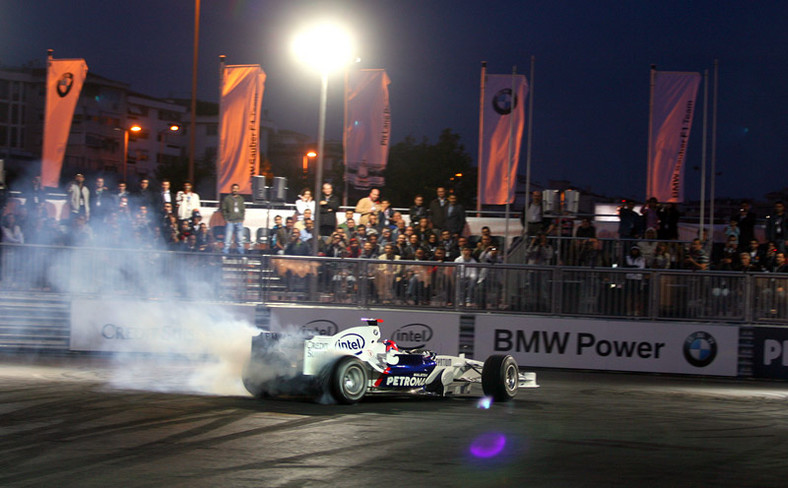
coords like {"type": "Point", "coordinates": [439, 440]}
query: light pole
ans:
{"type": "Point", "coordinates": [133, 128]}
{"type": "Point", "coordinates": [171, 129]}
{"type": "Point", "coordinates": [305, 162]}
{"type": "Point", "coordinates": [325, 47]}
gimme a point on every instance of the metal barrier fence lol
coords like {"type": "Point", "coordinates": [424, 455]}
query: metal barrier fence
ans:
{"type": "Point", "coordinates": [549, 290]}
{"type": "Point", "coordinates": [596, 252]}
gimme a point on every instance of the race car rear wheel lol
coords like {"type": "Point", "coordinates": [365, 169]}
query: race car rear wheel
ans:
{"type": "Point", "coordinates": [348, 380]}
{"type": "Point", "coordinates": [500, 377]}
{"type": "Point", "coordinates": [251, 379]}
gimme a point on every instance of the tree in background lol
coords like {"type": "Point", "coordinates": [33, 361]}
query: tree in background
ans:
{"type": "Point", "coordinates": [204, 174]}
{"type": "Point", "coordinates": [420, 167]}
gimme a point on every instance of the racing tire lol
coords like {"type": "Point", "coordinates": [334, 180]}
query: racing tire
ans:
{"type": "Point", "coordinates": [348, 380]}
{"type": "Point", "coordinates": [500, 377]}
{"type": "Point", "coordinates": [251, 383]}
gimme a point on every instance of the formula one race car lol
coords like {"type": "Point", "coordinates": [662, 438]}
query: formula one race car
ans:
{"type": "Point", "coordinates": [355, 362]}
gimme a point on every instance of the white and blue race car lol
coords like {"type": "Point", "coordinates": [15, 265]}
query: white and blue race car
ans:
{"type": "Point", "coordinates": [356, 362]}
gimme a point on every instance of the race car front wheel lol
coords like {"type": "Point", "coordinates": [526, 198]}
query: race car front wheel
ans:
{"type": "Point", "coordinates": [500, 377]}
{"type": "Point", "coordinates": [348, 380]}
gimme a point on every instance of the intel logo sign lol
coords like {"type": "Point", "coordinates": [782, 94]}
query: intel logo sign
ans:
{"type": "Point", "coordinates": [320, 327]}
{"type": "Point", "coordinates": [351, 342]}
{"type": "Point", "coordinates": [412, 336]}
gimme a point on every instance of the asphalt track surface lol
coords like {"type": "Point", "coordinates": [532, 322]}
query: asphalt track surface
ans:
{"type": "Point", "coordinates": [64, 422]}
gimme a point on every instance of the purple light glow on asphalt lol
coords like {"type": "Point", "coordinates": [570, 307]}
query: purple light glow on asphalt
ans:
{"type": "Point", "coordinates": [488, 445]}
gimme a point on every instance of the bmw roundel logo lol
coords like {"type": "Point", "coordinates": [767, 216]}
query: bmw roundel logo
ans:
{"type": "Point", "coordinates": [503, 102]}
{"type": "Point", "coordinates": [64, 84]}
{"type": "Point", "coordinates": [700, 349]}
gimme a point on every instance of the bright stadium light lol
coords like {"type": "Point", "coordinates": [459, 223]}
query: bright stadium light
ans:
{"type": "Point", "coordinates": [324, 47]}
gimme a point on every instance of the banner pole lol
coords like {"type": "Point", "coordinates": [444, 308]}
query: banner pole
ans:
{"type": "Point", "coordinates": [193, 120]}
{"type": "Point", "coordinates": [50, 53]}
{"type": "Point", "coordinates": [649, 156]}
{"type": "Point", "coordinates": [701, 221]}
{"type": "Point", "coordinates": [509, 155]}
{"type": "Point", "coordinates": [713, 149]}
{"type": "Point", "coordinates": [344, 139]}
{"type": "Point", "coordinates": [480, 155]}
{"type": "Point", "coordinates": [219, 145]}
{"type": "Point", "coordinates": [528, 146]}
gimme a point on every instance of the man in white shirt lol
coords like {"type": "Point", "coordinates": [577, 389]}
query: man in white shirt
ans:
{"type": "Point", "coordinates": [467, 276]}
{"type": "Point", "coordinates": [187, 201]}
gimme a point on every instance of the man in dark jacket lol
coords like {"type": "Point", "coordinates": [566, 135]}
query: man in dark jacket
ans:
{"type": "Point", "coordinates": [329, 204]}
{"type": "Point", "coordinates": [233, 210]}
{"type": "Point", "coordinates": [455, 216]}
{"type": "Point", "coordinates": [438, 209]}
{"type": "Point", "coordinates": [775, 226]}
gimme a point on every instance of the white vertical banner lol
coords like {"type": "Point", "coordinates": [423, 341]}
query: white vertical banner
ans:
{"type": "Point", "coordinates": [674, 96]}
{"type": "Point", "coordinates": [239, 138]}
{"type": "Point", "coordinates": [503, 122]}
{"type": "Point", "coordinates": [65, 78]}
{"type": "Point", "coordinates": [367, 127]}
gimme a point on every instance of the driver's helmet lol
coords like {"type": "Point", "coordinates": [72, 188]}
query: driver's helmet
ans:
{"type": "Point", "coordinates": [390, 345]}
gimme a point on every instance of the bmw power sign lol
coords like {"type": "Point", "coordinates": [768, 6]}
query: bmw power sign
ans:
{"type": "Point", "coordinates": [620, 345]}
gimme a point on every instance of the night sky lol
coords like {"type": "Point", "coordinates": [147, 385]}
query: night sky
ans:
{"type": "Point", "coordinates": [591, 77]}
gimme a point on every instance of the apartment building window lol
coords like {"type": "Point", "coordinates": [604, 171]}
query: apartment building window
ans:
{"type": "Point", "coordinates": [138, 110]}
{"type": "Point", "coordinates": [169, 115]}
{"type": "Point", "coordinates": [16, 91]}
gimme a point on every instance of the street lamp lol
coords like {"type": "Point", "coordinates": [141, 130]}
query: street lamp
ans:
{"type": "Point", "coordinates": [171, 129]}
{"type": "Point", "coordinates": [305, 162]}
{"type": "Point", "coordinates": [324, 47]}
{"type": "Point", "coordinates": [133, 128]}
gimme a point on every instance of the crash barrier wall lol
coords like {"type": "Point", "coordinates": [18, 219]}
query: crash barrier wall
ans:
{"type": "Point", "coordinates": [648, 294]}
{"type": "Point", "coordinates": [34, 321]}
{"type": "Point", "coordinates": [683, 348]}
{"type": "Point", "coordinates": [34, 277]}
{"type": "Point", "coordinates": [769, 351]}
{"type": "Point", "coordinates": [553, 342]}
{"type": "Point", "coordinates": [144, 326]}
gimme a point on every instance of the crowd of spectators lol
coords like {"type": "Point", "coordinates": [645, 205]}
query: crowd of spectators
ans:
{"type": "Point", "coordinates": [438, 231]}
{"type": "Point", "coordinates": [434, 231]}
{"type": "Point", "coordinates": [653, 235]}
{"type": "Point", "coordinates": [144, 217]}
{"type": "Point", "coordinates": [97, 216]}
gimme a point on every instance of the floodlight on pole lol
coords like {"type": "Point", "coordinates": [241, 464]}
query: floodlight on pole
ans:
{"type": "Point", "coordinates": [133, 128]}
{"type": "Point", "coordinates": [324, 47]}
{"type": "Point", "coordinates": [305, 162]}
{"type": "Point", "coordinates": [171, 129]}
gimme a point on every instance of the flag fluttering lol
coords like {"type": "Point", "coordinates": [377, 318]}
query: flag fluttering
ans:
{"type": "Point", "coordinates": [501, 133]}
{"type": "Point", "coordinates": [673, 107]}
{"type": "Point", "coordinates": [65, 78]}
{"type": "Point", "coordinates": [239, 121]}
{"type": "Point", "coordinates": [367, 127]}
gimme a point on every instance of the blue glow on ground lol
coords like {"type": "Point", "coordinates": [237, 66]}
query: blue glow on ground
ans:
{"type": "Point", "coordinates": [484, 402]}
